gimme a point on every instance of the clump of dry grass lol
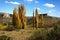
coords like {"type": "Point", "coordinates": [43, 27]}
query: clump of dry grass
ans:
{"type": "Point", "coordinates": [2, 27]}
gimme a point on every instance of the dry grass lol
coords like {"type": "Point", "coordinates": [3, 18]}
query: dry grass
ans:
{"type": "Point", "coordinates": [2, 27]}
{"type": "Point", "coordinates": [22, 34]}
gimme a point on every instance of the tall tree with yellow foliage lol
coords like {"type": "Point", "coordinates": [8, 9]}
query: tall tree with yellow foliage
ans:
{"type": "Point", "coordinates": [42, 20]}
{"type": "Point", "coordinates": [19, 24]}
{"type": "Point", "coordinates": [14, 17]}
{"type": "Point", "coordinates": [36, 18]}
{"type": "Point", "coordinates": [20, 12]}
{"type": "Point", "coordinates": [22, 16]}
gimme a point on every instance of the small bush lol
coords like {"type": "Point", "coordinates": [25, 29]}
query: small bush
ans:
{"type": "Point", "coordinates": [56, 27]}
{"type": "Point", "coordinates": [4, 37]}
{"type": "Point", "coordinates": [9, 28]}
{"type": "Point", "coordinates": [43, 34]}
{"type": "Point", "coordinates": [38, 35]}
{"type": "Point", "coordinates": [54, 35]}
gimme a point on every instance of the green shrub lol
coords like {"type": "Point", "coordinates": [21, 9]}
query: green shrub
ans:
{"type": "Point", "coordinates": [38, 35]}
{"type": "Point", "coordinates": [56, 27]}
{"type": "Point", "coordinates": [4, 37]}
{"type": "Point", "coordinates": [9, 28]}
{"type": "Point", "coordinates": [53, 34]}
{"type": "Point", "coordinates": [43, 34]}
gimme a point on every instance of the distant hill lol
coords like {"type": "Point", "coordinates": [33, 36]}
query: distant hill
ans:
{"type": "Point", "coordinates": [2, 14]}
{"type": "Point", "coordinates": [5, 17]}
{"type": "Point", "coordinates": [48, 20]}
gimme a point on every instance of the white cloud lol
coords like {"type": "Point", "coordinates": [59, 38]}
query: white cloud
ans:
{"type": "Point", "coordinates": [38, 9]}
{"type": "Point", "coordinates": [36, 2]}
{"type": "Point", "coordinates": [51, 11]}
{"type": "Point", "coordinates": [59, 12]}
{"type": "Point", "coordinates": [11, 2]}
{"type": "Point", "coordinates": [49, 5]}
{"type": "Point", "coordinates": [28, 0]}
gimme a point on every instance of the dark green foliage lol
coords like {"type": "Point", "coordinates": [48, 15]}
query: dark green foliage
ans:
{"type": "Point", "coordinates": [54, 35]}
{"type": "Point", "coordinates": [36, 36]}
{"type": "Point", "coordinates": [4, 37]}
{"type": "Point", "coordinates": [56, 28]}
{"type": "Point", "coordinates": [43, 34]}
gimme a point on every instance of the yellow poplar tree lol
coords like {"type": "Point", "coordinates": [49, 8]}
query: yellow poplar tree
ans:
{"type": "Point", "coordinates": [20, 15]}
{"type": "Point", "coordinates": [23, 19]}
{"type": "Point", "coordinates": [20, 11]}
{"type": "Point", "coordinates": [36, 18]}
{"type": "Point", "coordinates": [14, 17]}
{"type": "Point", "coordinates": [19, 24]}
{"type": "Point", "coordinates": [42, 21]}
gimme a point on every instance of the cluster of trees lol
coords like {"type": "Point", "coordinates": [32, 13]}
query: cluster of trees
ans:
{"type": "Point", "coordinates": [19, 18]}
{"type": "Point", "coordinates": [36, 19]}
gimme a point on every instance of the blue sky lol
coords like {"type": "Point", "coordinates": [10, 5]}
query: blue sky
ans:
{"type": "Point", "coordinates": [51, 7]}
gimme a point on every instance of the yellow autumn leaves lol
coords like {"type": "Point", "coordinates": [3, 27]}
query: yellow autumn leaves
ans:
{"type": "Point", "coordinates": [36, 19]}
{"type": "Point", "coordinates": [19, 19]}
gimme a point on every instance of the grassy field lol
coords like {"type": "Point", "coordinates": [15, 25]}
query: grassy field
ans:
{"type": "Point", "coordinates": [22, 34]}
